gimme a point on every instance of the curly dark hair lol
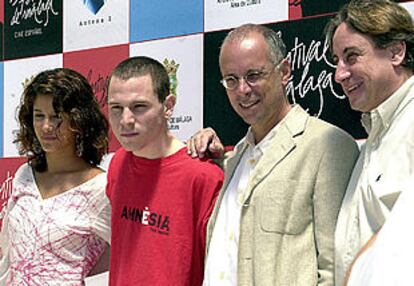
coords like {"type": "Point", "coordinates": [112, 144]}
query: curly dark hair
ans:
{"type": "Point", "coordinates": [73, 99]}
{"type": "Point", "coordinates": [385, 22]}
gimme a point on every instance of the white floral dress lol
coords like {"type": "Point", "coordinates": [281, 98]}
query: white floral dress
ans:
{"type": "Point", "coordinates": [53, 241]}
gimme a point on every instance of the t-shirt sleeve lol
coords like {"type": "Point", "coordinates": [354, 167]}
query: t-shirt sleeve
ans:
{"type": "Point", "coordinates": [112, 168]}
{"type": "Point", "coordinates": [210, 188]}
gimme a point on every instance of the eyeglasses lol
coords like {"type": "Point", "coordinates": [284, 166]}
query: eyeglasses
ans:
{"type": "Point", "coordinates": [252, 78]}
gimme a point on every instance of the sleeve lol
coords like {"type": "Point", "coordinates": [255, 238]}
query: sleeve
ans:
{"type": "Point", "coordinates": [211, 187]}
{"type": "Point", "coordinates": [340, 153]}
{"type": "Point", "coordinates": [389, 259]}
{"type": "Point", "coordinates": [101, 212]}
{"type": "Point", "coordinates": [111, 173]}
{"type": "Point", "coordinates": [20, 174]}
{"type": "Point", "coordinates": [108, 183]}
{"type": "Point", "coordinates": [4, 251]}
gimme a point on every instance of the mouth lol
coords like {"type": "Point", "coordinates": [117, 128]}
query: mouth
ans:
{"type": "Point", "coordinates": [353, 87]}
{"type": "Point", "coordinates": [49, 138]}
{"type": "Point", "coordinates": [248, 104]}
{"type": "Point", "coordinates": [129, 134]}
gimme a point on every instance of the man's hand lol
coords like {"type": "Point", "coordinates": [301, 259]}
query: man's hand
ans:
{"type": "Point", "coordinates": [205, 141]}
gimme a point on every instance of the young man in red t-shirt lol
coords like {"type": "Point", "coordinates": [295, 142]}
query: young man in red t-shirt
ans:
{"type": "Point", "coordinates": [161, 198]}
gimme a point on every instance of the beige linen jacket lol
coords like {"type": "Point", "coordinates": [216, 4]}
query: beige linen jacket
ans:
{"type": "Point", "coordinates": [294, 194]}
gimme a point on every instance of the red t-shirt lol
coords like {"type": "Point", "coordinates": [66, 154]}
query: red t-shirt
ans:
{"type": "Point", "coordinates": [160, 210]}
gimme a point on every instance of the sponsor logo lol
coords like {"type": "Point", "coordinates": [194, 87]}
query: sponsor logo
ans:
{"type": "Point", "coordinates": [30, 9]}
{"type": "Point", "coordinates": [172, 68]}
{"type": "Point", "coordinates": [159, 223]}
{"type": "Point", "coordinates": [94, 5]}
{"type": "Point", "coordinates": [27, 81]}
{"type": "Point", "coordinates": [26, 11]}
{"type": "Point", "coordinates": [99, 85]}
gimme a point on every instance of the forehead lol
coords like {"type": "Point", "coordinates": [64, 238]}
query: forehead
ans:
{"type": "Point", "coordinates": [43, 100]}
{"type": "Point", "coordinates": [242, 54]}
{"type": "Point", "coordinates": [346, 38]}
{"type": "Point", "coordinates": [131, 89]}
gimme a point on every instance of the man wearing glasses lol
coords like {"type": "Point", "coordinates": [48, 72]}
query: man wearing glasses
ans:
{"type": "Point", "coordinates": [274, 220]}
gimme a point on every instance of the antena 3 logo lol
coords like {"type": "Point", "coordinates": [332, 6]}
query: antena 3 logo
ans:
{"type": "Point", "coordinates": [157, 222]}
{"type": "Point", "coordinates": [94, 5]}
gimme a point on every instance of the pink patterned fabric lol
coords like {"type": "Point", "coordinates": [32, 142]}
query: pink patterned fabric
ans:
{"type": "Point", "coordinates": [54, 241]}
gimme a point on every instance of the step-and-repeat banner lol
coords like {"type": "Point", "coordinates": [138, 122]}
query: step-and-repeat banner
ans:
{"type": "Point", "coordinates": [92, 36]}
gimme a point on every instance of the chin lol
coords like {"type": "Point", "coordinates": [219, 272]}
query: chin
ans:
{"type": "Point", "coordinates": [357, 107]}
{"type": "Point", "coordinates": [51, 151]}
{"type": "Point", "coordinates": [131, 147]}
{"type": "Point", "coordinates": [128, 147]}
{"type": "Point", "coordinates": [250, 120]}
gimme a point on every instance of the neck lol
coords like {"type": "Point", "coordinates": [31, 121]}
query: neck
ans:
{"type": "Point", "coordinates": [394, 83]}
{"type": "Point", "coordinates": [166, 146]}
{"type": "Point", "coordinates": [57, 163]}
{"type": "Point", "coordinates": [403, 75]}
{"type": "Point", "coordinates": [261, 130]}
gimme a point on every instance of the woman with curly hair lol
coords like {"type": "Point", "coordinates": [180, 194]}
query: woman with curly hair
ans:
{"type": "Point", "coordinates": [56, 223]}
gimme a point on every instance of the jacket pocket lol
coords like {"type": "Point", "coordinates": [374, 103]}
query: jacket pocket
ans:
{"type": "Point", "coordinates": [286, 207]}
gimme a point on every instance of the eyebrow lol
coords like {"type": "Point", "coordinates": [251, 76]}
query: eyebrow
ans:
{"type": "Point", "coordinates": [345, 51]}
{"type": "Point", "coordinates": [250, 70]}
{"type": "Point", "coordinates": [36, 110]}
{"type": "Point", "coordinates": [130, 103]}
{"type": "Point", "coordinates": [350, 49]}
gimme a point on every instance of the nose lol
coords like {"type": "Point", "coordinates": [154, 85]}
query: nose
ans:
{"type": "Point", "coordinates": [342, 72]}
{"type": "Point", "coordinates": [48, 125]}
{"type": "Point", "coordinates": [243, 86]}
{"type": "Point", "coordinates": [127, 117]}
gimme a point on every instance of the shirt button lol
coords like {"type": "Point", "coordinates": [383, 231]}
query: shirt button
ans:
{"type": "Point", "coordinates": [231, 236]}
{"type": "Point", "coordinates": [252, 161]}
{"type": "Point", "coordinates": [221, 276]}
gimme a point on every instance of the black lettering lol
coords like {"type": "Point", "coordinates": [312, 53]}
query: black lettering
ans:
{"type": "Point", "coordinates": [131, 213]}
{"type": "Point", "coordinates": [140, 213]}
{"type": "Point", "coordinates": [124, 213]}
{"type": "Point", "coordinates": [165, 224]}
{"type": "Point", "coordinates": [152, 219]}
{"type": "Point", "coordinates": [159, 221]}
{"type": "Point", "coordinates": [136, 214]}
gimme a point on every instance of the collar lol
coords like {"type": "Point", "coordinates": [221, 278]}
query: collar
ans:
{"type": "Point", "coordinates": [262, 145]}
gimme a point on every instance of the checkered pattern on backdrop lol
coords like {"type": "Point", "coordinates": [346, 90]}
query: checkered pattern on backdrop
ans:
{"type": "Point", "coordinates": [92, 36]}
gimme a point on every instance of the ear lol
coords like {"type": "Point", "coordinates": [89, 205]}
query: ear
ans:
{"type": "Point", "coordinates": [286, 70]}
{"type": "Point", "coordinates": [397, 52]}
{"type": "Point", "coordinates": [169, 104]}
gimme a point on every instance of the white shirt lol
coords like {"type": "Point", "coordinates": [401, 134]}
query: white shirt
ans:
{"type": "Point", "coordinates": [389, 260]}
{"type": "Point", "coordinates": [53, 241]}
{"type": "Point", "coordinates": [386, 159]}
{"type": "Point", "coordinates": [221, 262]}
